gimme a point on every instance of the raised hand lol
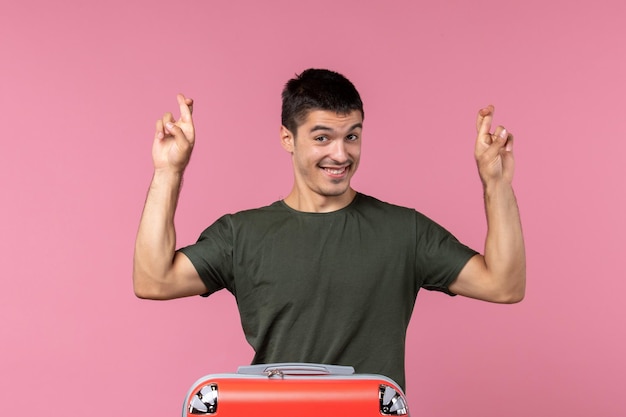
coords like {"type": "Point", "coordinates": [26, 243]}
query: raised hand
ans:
{"type": "Point", "coordinates": [500, 274]}
{"type": "Point", "coordinates": [159, 272]}
{"type": "Point", "coordinates": [493, 151]}
{"type": "Point", "coordinates": [174, 139]}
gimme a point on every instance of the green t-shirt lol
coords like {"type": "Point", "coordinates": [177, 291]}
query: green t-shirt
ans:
{"type": "Point", "coordinates": [336, 288]}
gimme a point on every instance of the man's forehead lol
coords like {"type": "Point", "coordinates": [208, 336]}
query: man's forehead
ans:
{"type": "Point", "coordinates": [332, 119]}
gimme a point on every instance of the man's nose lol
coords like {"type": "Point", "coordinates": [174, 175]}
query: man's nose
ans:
{"type": "Point", "coordinates": [339, 153]}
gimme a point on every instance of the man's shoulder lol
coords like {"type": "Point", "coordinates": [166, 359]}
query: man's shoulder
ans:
{"type": "Point", "coordinates": [362, 204]}
{"type": "Point", "coordinates": [275, 209]}
{"type": "Point", "coordinates": [376, 208]}
{"type": "Point", "coordinates": [367, 201]}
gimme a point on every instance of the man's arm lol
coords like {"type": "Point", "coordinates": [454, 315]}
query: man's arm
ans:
{"type": "Point", "coordinates": [500, 275]}
{"type": "Point", "coordinates": [159, 272]}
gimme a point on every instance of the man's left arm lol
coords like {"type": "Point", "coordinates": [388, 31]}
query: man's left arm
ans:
{"type": "Point", "coordinates": [500, 274]}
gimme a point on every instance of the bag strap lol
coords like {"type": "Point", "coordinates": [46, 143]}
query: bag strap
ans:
{"type": "Point", "coordinates": [295, 368]}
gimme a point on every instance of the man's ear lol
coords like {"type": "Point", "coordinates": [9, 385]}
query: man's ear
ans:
{"type": "Point", "coordinates": [287, 139]}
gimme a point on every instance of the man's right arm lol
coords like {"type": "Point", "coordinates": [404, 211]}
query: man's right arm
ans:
{"type": "Point", "coordinates": [159, 272]}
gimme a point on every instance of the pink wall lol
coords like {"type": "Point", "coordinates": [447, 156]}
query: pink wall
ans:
{"type": "Point", "coordinates": [81, 84]}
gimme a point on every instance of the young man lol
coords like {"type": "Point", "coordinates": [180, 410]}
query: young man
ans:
{"type": "Point", "coordinates": [327, 275]}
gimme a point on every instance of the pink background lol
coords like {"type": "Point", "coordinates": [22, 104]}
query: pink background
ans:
{"type": "Point", "coordinates": [82, 84]}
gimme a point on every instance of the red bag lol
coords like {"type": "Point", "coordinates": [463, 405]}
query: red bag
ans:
{"type": "Point", "coordinates": [295, 390]}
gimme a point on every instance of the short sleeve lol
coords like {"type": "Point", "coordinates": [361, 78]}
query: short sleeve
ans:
{"type": "Point", "coordinates": [212, 255]}
{"type": "Point", "coordinates": [439, 255]}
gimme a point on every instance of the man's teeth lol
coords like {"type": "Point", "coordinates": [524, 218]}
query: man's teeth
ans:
{"type": "Point", "coordinates": [335, 171]}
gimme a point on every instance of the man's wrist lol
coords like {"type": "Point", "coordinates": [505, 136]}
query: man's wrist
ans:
{"type": "Point", "coordinates": [167, 177]}
{"type": "Point", "coordinates": [497, 187]}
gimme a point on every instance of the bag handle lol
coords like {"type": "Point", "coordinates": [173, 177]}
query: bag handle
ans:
{"type": "Point", "coordinates": [295, 368]}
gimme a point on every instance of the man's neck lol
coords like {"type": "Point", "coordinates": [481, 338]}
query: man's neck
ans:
{"type": "Point", "coordinates": [316, 203]}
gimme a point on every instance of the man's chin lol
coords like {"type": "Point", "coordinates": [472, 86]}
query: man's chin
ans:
{"type": "Point", "coordinates": [336, 192]}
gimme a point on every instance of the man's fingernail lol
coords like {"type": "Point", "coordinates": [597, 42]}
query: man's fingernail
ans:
{"type": "Point", "coordinates": [504, 134]}
{"type": "Point", "coordinates": [169, 125]}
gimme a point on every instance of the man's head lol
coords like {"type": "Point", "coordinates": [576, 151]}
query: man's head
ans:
{"type": "Point", "coordinates": [323, 110]}
{"type": "Point", "coordinates": [317, 89]}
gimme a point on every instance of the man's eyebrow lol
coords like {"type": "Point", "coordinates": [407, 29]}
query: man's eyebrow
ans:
{"type": "Point", "coordinates": [320, 127]}
{"type": "Point", "coordinates": [329, 129]}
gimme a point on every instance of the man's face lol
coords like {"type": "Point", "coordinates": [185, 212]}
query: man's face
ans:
{"type": "Point", "coordinates": [326, 151]}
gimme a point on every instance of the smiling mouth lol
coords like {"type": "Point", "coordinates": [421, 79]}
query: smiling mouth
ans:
{"type": "Point", "coordinates": [336, 171]}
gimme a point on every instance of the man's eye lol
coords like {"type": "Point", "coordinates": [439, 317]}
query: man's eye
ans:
{"type": "Point", "coordinates": [321, 138]}
{"type": "Point", "coordinates": [352, 138]}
